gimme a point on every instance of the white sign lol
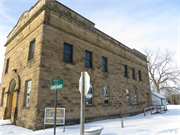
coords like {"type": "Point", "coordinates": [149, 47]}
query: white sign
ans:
{"type": "Point", "coordinates": [86, 83]}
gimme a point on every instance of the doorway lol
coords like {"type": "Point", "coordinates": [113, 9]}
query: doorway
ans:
{"type": "Point", "coordinates": [148, 100]}
{"type": "Point", "coordinates": [11, 100]}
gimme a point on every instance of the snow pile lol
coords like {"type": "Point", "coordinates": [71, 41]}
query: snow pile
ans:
{"type": "Point", "coordinates": [157, 124]}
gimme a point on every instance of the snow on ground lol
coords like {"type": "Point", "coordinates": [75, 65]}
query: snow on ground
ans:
{"type": "Point", "coordinates": [157, 124]}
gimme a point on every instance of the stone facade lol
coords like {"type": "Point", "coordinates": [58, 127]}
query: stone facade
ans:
{"type": "Point", "coordinates": [51, 24]}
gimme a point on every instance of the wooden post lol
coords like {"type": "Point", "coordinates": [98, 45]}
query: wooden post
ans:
{"type": "Point", "coordinates": [122, 123]}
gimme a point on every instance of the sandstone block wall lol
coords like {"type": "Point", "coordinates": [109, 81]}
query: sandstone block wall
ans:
{"type": "Point", "coordinates": [18, 51]}
{"type": "Point", "coordinates": [52, 24]}
{"type": "Point", "coordinates": [59, 30]}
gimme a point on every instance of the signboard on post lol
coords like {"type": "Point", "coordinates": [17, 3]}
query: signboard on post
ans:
{"type": "Point", "coordinates": [50, 113]}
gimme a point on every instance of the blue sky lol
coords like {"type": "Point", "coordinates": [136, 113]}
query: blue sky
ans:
{"type": "Point", "coordinates": [138, 24]}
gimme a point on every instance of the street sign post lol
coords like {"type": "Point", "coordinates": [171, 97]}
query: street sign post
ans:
{"type": "Point", "coordinates": [56, 81]}
{"type": "Point", "coordinates": [58, 85]}
{"type": "Point", "coordinates": [84, 84]}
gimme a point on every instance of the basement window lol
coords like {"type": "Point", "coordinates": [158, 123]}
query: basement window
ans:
{"type": "Point", "coordinates": [127, 96]}
{"type": "Point", "coordinates": [106, 96]}
{"type": "Point", "coordinates": [89, 96]}
{"type": "Point", "coordinates": [28, 91]}
{"type": "Point", "coordinates": [135, 97]}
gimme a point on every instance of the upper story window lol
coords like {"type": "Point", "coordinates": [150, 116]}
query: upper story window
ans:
{"type": "Point", "coordinates": [139, 72]}
{"type": "Point", "coordinates": [7, 65]}
{"type": "Point", "coordinates": [88, 59]}
{"type": "Point", "coordinates": [127, 96]}
{"type": "Point", "coordinates": [135, 97]}
{"type": "Point", "coordinates": [89, 96]}
{"type": "Point", "coordinates": [104, 64]}
{"type": "Point", "coordinates": [133, 74]}
{"type": "Point", "coordinates": [106, 95]}
{"type": "Point", "coordinates": [31, 50]}
{"type": "Point", "coordinates": [28, 91]}
{"type": "Point", "coordinates": [67, 54]}
{"type": "Point", "coordinates": [125, 71]}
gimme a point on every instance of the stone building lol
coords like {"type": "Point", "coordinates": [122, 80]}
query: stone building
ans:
{"type": "Point", "coordinates": [52, 41]}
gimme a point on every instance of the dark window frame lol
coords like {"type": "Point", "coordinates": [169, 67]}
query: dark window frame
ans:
{"type": "Point", "coordinates": [133, 73]}
{"type": "Point", "coordinates": [104, 65]}
{"type": "Point", "coordinates": [88, 59]}
{"type": "Point", "coordinates": [125, 71]}
{"type": "Point", "coordinates": [139, 72]}
{"type": "Point", "coordinates": [31, 51]}
{"type": "Point", "coordinates": [66, 52]}
{"type": "Point", "coordinates": [7, 65]}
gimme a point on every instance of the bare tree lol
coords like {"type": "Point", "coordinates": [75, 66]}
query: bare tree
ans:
{"type": "Point", "coordinates": [164, 74]}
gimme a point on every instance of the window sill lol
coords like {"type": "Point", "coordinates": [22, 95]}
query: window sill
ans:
{"type": "Point", "coordinates": [104, 71]}
{"type": "Point", "coordinates": [25, 107]}
{"type": "Point", "coordinates": [30, 60]}
{"type": "Point", "coordinates": [67, 62]}
{"type": "Point", "coordinates": [88, 67]}
{"type": "Point", "coordinates": [90, 105]}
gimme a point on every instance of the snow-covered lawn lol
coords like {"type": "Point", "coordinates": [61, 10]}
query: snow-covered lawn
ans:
{"type": "Point", "coordinates": [157, 124]}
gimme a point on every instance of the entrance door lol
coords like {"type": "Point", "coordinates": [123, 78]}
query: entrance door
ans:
{"type": "Point", "coordinates": [13, 98]}
{"type": "Point", "coordinates": [148, 99]}
{"type": "Point", "coordinates": [10, 101]}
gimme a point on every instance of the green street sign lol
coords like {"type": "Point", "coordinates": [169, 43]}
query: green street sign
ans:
{"type": "Point", "coordinates": [56, 81]}
{"type": "Point", "coordinates": [55, 87]}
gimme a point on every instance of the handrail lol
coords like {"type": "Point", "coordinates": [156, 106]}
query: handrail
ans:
{"type": "Point", "coordinates": [147, 108]}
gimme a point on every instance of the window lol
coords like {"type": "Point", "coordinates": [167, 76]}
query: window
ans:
{"type": "Point", "coordinates": [67, 54]}
{"type": "Point", "coordinates": [31, 50]}
{"type": "Point", "coordinates": [104, 64]}
{"type": "Point", "coordinates": [127, 95]}
{"type": "Point", "coordinates": [2, 98]}
{"type": "Point", "coordinates": [106, 95]}
{"type": "Point", "coordinates": [7, 66]}
{"type": "Point", "coordinates": [139, 75]}
{"type": "Point", "coordinates": [125, 71]}
{"type": "Point", "coordinates": [89, 96]}
{"type": "Point", "coordinates": [135, 97]}
{"type": "Point", "coordinates": [133, 74]}
{"type": "Point", "coordinates": [28, 91]}
{"type": "Point", "coordinates": [88, 59]}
